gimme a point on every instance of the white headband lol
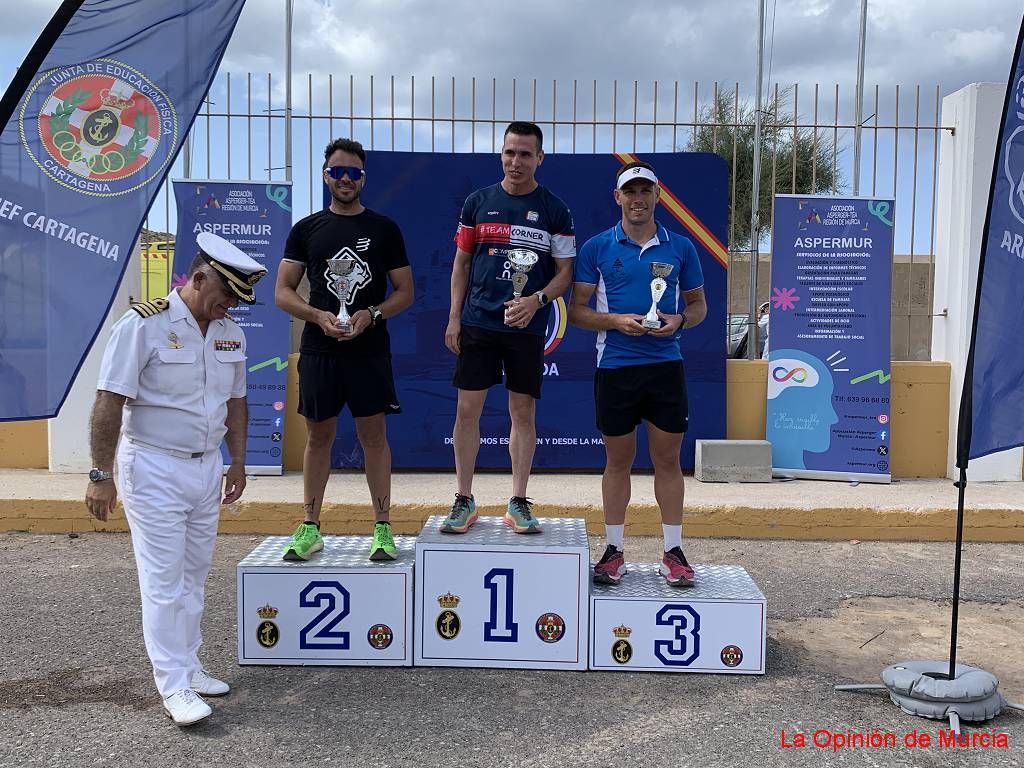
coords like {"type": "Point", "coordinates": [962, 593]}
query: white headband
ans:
{"type": "Point", "coordinates": [638, 172]}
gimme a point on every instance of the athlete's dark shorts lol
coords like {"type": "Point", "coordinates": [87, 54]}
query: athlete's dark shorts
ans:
{"type": "Point", "coordinates": [485, 353]}
{"type": "Point", "coordinates": [327, 383]}
{"type": "Point", "coordinates": [626, 396]}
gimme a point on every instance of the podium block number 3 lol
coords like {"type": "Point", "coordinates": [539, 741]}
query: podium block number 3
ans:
{"type": "Point", "coordinates": [684, 648]}
{"type": "Point", "coordinates": [320, 633]}
{"type": "Point", "coordinates": [499, 627]}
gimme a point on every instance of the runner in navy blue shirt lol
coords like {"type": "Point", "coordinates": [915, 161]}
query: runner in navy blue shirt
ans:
{"type": "Point", "coordinates": [639, 370]}
{"type": "Point", "coordinates": [494, 335]}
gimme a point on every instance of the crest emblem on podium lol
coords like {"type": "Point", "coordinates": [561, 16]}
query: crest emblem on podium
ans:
{"type": "Point", "coordinates": [622, 651]}
{"type": "Point", "coordinates": [267, 633]}
{"type": "Point", "coordinates": [380, 636]}
{"type": "Point", "coordinates": [448, 622]}
{"type": "Point", "coordinates": [550, 627]}
{"type": "Point", "coordinates": [732, 655]}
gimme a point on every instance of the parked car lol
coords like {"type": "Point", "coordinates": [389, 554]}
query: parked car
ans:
{"type": "Point", "coordinates": [736, 331]}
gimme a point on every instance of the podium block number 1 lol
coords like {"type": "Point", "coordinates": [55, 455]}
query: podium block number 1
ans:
{"type": "Point", "coordinates": [500, 627]}
{"type": "Point", "coordinates": [320, 633]}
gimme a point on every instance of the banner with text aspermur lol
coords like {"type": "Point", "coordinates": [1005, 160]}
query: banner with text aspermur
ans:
{"type": "Point", "coordinates": [829, 345]}
{"type": "Point", "coordinates": [992, 404]}
{"type": "Point", "coordinates": [256, 217]}
{"type": "Point", "coordinates": [90, 126]}
{"type": "Point", "coordinates": [424, 194]}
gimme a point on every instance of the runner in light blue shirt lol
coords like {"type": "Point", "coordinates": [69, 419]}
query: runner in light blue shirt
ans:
{"type": "Point", "coordinates": [639, 368]}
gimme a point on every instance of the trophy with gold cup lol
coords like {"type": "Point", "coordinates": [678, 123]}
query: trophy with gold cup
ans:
{"type": "Point", "coordinates": [660, 271]}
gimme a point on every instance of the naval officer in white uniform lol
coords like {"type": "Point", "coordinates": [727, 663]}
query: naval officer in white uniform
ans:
{"type": "Point", "coordinates": [172, 383]}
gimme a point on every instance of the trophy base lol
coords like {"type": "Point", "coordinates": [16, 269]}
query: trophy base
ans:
{"type": "Point", "coordinates": [652, 324]}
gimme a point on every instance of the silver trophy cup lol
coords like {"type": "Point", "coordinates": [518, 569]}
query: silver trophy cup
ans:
{"type": "Point", "coordinates": [341, 286]}
{"type": "Point", "coordinates": [522, 261]}
{"type": "Point", "coordinates": [658, 287]}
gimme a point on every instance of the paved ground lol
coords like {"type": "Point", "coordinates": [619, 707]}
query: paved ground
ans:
{"type": "Point", "coordinates": [75, 688]}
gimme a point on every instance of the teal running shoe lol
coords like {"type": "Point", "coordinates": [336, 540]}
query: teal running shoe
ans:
{"type": "Point", "coordinates": [520, 516]}
{"type": "Point", "coordinates": [462, 516]}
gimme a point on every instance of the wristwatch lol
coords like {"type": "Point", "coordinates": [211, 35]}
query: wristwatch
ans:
{"type": "Point", "coordinates": [98, 475]}
{"type": "Point", "coordinates": [376, 315]}
{"type": "Point", "coordinates": [542, 298]}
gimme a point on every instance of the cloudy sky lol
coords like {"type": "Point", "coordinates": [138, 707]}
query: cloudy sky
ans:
{"type": "Point", "coordinates": [909, 42]}
{"type": "Point", "coordinates": [927, 42]}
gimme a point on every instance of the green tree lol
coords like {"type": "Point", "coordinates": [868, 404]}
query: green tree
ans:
{"type": "Point", "coordinates": [725, 127]}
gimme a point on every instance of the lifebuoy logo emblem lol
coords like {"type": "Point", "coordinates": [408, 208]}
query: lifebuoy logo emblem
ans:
{"type": "Point", "coordinates": [101, 128]}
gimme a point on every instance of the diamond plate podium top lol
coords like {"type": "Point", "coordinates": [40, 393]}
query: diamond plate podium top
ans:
{"type": "Point", "coordinates": [338, 552]}
{"type": "Point", "coordinates": [489, 530]}
{"type": "Point", "coordinates": [713, 582]}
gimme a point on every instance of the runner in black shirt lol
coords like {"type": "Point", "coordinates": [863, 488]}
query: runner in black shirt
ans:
{"type": "Point", "coordinates": [338, 368]}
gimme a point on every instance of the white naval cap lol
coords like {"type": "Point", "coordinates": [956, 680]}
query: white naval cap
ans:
{"type": "Point", "coordinates": [239, 270]}
{"type": "Point", "coordinates": [634, 173]}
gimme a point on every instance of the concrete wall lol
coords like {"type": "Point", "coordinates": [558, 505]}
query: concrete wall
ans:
{"type": "Point", "coordinates": [920, 398]}
{"type": "Point", "coordinates": [23, 445]}
{"type": "Point", "coordinates": [920, 429]}
{"type": "Point", "coordinates": [965, 177]}
{"type": "Point", "coordinates": [920, 401]}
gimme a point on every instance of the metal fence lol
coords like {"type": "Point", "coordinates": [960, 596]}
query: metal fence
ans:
{"type": "Point", "coordinates": [246, 131]}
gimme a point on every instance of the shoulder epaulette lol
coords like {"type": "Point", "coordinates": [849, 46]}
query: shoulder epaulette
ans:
{"type": "Point", "coordinates": [150, 308]}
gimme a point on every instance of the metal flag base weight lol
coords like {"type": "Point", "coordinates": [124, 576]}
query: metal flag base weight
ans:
{"type": "Point", "coordinates": [924, 688]}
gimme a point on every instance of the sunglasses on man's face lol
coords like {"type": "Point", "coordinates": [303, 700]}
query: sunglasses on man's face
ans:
{"type": "Point", "coordinates": [336, 172]}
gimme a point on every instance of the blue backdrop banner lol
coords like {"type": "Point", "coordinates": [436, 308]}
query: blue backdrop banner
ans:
{"type": "Point", "coordinates": [993, 399]}
{"type": "Point", "coordinates": [829, 348]}
{"type": "Point", "coordinates": [255, 216]}
{"type": "Point", "coordinates": [96, 117]}
{"type": "Point", "coordinates": [424, 193]}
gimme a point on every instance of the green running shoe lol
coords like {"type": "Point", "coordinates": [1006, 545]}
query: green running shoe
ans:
{"type": "Point", "coordinates": [306, 541]}
{"type": "Point", "coordinates": [383, 547]}
{"type": "Point", "coordinates": [462, 516]}
{"type": "Point", "coordinates": [520, 516]}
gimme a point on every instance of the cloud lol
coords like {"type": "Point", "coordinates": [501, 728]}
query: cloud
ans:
{"type": "Point", "coordinates": [815, 41]}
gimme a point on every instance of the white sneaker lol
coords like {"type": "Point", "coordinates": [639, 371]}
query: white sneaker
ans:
{"type": "Point", "coordinates": [206, 684]}
{"type": "Point", "coordinates": [185, 707]}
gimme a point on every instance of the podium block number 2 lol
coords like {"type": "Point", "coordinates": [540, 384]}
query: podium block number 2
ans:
{"type": "Point", "coordinates": [684, 648]}
{"type": "Point", "coordinates": [499, 627]}
{"type": "Point", "coordinates": [320, 633]}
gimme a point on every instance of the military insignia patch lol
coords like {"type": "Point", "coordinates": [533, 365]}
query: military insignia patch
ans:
{"type": "Point", "coordinates": [267, 633]}
{"type": "Point", "coordinates": [150, 308]}
{"type": "Point", "coordinates": [622, 651]}
{"type": "Point", "coordinates": [732, 655]}
{"type": "Point", "coordinates": [380, 636]}
{"type": "Point", "coordinates": [448, 622]}
{"type": "Point", "coordinates": [550, 627]}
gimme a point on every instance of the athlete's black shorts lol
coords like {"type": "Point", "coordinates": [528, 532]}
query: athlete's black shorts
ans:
{"type": "Point", "coordinates": [655, 393]}
{"type": "Point", "coordinates": [327, 383]}
{"type": "Point", "coordinates": [485, 353]}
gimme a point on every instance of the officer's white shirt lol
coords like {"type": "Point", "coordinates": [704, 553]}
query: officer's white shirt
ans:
{"type": "Point", "coordinates": [177, 382]}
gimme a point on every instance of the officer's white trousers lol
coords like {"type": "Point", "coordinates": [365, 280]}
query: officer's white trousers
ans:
{"type": "Point", "coordinates": [172, 505]}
